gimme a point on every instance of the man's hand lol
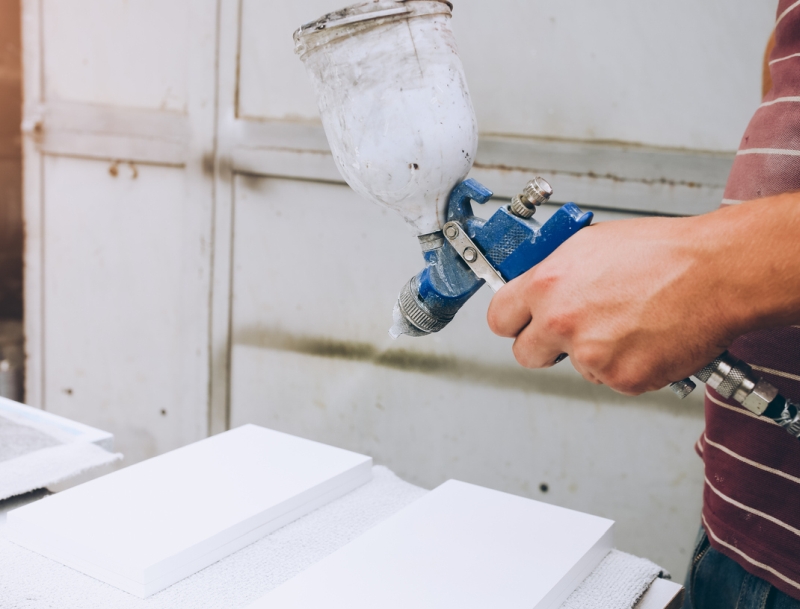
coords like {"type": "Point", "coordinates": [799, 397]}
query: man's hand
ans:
{"type": "Point", "coordinates": [638, 304]}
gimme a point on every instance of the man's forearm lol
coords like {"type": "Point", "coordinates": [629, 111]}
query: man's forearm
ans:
{"type": "Point", "coordinates": [751, 252]}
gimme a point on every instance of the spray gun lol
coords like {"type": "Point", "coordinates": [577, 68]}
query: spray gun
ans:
{"type": "Point", "coordinates": [397, 113]}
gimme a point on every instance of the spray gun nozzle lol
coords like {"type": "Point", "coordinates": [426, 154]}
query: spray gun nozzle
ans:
{"type": "Point", "coordinates": [411, 316]}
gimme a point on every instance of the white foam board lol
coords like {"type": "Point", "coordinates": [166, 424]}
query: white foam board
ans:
{"type": "Point", "coordinates": [63, 430]}
{"type": "Point", "coordinates": [143, 528]}
{"type": "Point", "coordinates": [460, 546]}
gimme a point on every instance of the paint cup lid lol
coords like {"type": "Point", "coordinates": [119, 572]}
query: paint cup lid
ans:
{"type": "Point", "coordinates": [359, 17]}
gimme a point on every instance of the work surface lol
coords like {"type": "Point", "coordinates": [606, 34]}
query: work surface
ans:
{"type": "Point", "coordinates": [29, 580]}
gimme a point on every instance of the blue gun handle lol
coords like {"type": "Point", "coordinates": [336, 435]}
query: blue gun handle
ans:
{"type": "Point", "coordinates": [567, 221]}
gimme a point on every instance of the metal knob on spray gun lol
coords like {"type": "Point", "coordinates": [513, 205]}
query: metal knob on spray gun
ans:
{"type": "Point", "coordinates": [536, 192]}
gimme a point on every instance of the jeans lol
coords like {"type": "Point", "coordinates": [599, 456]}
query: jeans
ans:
{"type": "Point", "coordinates": [714, 581]}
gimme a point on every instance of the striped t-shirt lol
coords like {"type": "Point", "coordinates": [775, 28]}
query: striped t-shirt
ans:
{"type": "Point", "coordinates": [751, 499]}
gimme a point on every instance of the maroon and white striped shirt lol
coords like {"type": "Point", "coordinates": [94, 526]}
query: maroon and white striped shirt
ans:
{"type": "Point", "coordinates": [751, 499]}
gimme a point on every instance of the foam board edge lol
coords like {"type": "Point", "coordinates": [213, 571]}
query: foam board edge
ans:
{"type": "Point", "coordinates": [580, 571]}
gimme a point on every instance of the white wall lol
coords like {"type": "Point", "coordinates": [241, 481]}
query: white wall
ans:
{"type": "Point", "coordinates": [235, 279]}
{"type": "Point", "coordinates": [682, 74]}
{"type": "Point", "coordinates": [125, 351]}
{"type": "Point", "coordinates": [131, 54]}
{"type": "Point", "coordinates": [119, 125]}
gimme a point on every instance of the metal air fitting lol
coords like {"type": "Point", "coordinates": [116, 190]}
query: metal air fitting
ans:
{"type": "Point", "coordinates": [683, 388]}
{"type": "Point", "coordinates": [536, 192]}
{"type": "Point", "coordinates": [789, 419]}
{"type": "Point", "coordinates": [734, 379]}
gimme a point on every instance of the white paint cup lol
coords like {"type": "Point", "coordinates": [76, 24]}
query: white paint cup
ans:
{"type": "Point", "coordinates": [394, 103]}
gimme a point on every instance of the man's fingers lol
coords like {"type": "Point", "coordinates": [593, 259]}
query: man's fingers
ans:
{"type": "Point", "coordinates": [508, 312]}
{"type": "Point", "coordinates": [586, 373]}
{"type": "Point", "coordinates": [533, 349]}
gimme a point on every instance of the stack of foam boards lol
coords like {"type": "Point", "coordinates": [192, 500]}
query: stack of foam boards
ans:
{"type": "Point", "coordinates": [459, 546]}
{"type": "Point", "coordinates": [146, 527]}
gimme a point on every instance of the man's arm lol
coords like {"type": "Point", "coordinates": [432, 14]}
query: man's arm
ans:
{"type": "Point", "coordinates": [640, 303]}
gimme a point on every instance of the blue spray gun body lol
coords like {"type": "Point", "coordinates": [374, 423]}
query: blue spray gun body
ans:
{"type": "Point", "coordinates": [471, 251]}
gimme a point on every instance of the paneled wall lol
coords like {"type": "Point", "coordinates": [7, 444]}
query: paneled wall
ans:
{"type": "Point", "coordinates": [119, 122]}
{"type": "Point", "coordinates": [194, 261]}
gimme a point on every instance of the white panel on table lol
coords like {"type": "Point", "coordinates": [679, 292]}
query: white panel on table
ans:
{"type": "Point", "coordinates": [681, 74]}
{"type": "Point", "coordinates": [316, 270]}
{"type": "Point", "coordinates": [126, 303]}
{"type": "Point", "coordinates": [118, 52]}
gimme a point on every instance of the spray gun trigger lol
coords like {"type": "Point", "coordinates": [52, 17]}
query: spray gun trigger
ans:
{"type": "Point", "coordinates": [472, 255]}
